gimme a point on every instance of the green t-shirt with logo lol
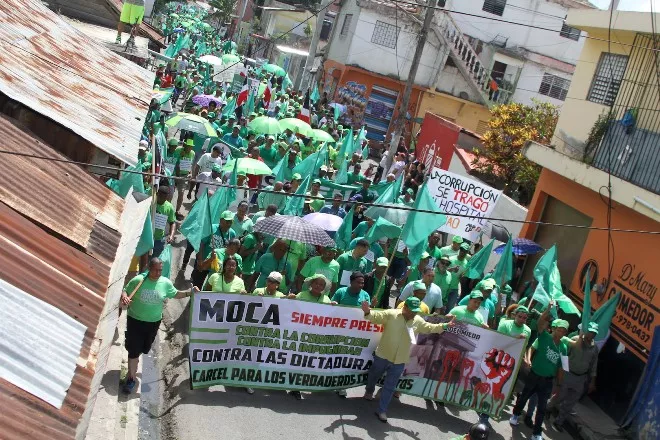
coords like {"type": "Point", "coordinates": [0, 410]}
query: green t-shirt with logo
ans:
{"type": "Point", "coordinates": [447, 251]}
{"type": "Point", "coordinates": [316, 265]}
{"type": "Point", "coordinates": [547, 358]}
{"type": "Point", "coordinates": [147, 303]}
{"type": "Point", "coordinates": [164, 214]}
{"type": "Point", "coordinates": [509, 327]}
{"type": "Point", "coordinates": [184, 160]}
{"type": "Point", "coordinates": [443, 280]}
{"type": "Point", "coordinates": [462, 314]}
{"type": "Point", "coordinates": [455, 262]}
{"type": "Point", "coordinates": [348, 263]}
{"type": "Point", "coordinates": [242, 227]}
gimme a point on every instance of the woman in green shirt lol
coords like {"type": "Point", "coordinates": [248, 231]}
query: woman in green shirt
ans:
{"type": "Point", "coordinates": [272, 283]}
{"type": "Point", "coordinates": [317, 290]}
{"type": "Point", "coordinates": [226, 281]}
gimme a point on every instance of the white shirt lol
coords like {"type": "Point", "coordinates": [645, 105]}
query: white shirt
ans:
{"type": "Point", "coordinates": [242, 194]}
{"type": "Point", "coordinates": [205, 179]}
{"type": "Point", "coordinates": [383, 161]}
{"type": "Point", "coordinates": [206, 162]}
{"type": "Point", "coordinates": [396, 169]}
{"type": "Point", "coordinates": [433, 297]}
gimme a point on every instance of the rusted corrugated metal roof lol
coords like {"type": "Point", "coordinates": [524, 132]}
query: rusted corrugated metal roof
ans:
{"type": "Point", "coordinates": [62, 197]}
{"type": "Point", "coordinates": [49, 66]}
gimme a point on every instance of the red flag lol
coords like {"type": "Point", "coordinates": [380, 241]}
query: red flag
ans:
{"type": "Point", "coordinates": [305, 114]}
{"type": "Point", "coordinates": [268, 91]}
{"type": "Point", "coordinates": [243, 95]}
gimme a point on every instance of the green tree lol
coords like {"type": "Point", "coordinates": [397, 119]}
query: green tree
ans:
{"type": "Point", "coordinates": [223, 9]}
{"type": "Point", "coordinates": [509, 128]}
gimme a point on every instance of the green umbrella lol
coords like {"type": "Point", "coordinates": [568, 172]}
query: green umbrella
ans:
{"type": "Point", "coordinates": [230, 58]}
{"type": "Point", "coordinates": [274, 68]}
{"type": "Point", "coordinates": [265, 125]}
{"type": "Point", "coordinates": [174, 15]}
{"type": "Point", "coordinates": [190, 122]}
{"type": "Point", "coordinates": [250, 166]}
{"type": "Point", "coordinates": [321, 135]}
{"type": "Point", "coordinates": [297, 126]}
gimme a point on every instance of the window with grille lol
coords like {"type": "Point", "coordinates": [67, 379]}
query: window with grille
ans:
{"type": "Point", "coordinates": [385, 34]}
{"type": "Point", "coordinates": [494, 6]}
{"type": "Point", "coordinates": [482, 127]}
{"type": "Point", "coordinates": [608, 77]}
{"type": "Point", "coordinates": [346, 24]}
{"type": "Point", "coordinates": [569, 32]}
{"type": "Point", "coordinates": [554, 86]}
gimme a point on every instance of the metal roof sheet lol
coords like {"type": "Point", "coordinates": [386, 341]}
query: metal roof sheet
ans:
{"type": "Point", "coordinates": [49, 66]}
{"type": "Point", "coordinates": [62, 197]}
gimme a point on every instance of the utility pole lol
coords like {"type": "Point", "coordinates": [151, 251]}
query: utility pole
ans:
{"type": "Point", "coordinates": [307, 75]}
{"type": "Point", "coordinates": [405, 100]}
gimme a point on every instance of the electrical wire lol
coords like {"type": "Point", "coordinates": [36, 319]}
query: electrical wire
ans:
{"type": "Point", "coordinates": [327, 199]}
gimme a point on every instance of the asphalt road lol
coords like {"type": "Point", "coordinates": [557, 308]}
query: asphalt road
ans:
{"type": "Point", "coordinates": [230, 413]}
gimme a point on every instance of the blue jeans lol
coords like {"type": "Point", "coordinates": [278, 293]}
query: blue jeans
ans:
{"type": "Point", "coordinates": [393, 373]}
{"type": "Point", "coordinates": [159, 245]}
{"type": "Point", "coordinates": [397, 268]}
{"type": "Point", "coordinates": [452, 299]}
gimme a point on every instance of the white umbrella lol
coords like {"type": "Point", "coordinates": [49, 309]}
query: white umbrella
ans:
{"type": "Point", "coordinates": [211, 59]}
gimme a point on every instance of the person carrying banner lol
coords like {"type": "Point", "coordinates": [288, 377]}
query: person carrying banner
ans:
{"type": "Point", "coordinates": [400, 330]}
{"type": "Point", "coordinates": [145, 296]}
{"type": "Point", "coordinates": [325, 264]}
{"type": "Point", "coordinates": [547, 353]}
{"type": "Point", "coordinates": [272, 284]}
{"type": "Point", "coordinates": [352, 295]}
{"type": "Point", "coordinates": [469, 313]}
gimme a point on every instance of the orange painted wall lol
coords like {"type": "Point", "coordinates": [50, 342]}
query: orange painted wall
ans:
{"type": "Point", "coordinates": [636, 262]}
{"type": "Point", "coordinates": [336, 75]}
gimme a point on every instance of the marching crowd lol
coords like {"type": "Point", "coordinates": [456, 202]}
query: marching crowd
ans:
{"type": "Point", "coordinates": [369, 271]}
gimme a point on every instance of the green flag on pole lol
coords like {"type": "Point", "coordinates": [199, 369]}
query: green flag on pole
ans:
{"type": "Point", "coordinates": [311, 164]}
{"type": "Point", "coordinates": [230, 108]}
{"type": "Point", "coordinates": [420, 224]}
{"type": "Point", "coordinates": [342, 175]}
{"type": "Point", "coordinates": [336, 113]}
{"type": "Point", "coordinates": [346, 148]}
{"type": "Point", "coordinates": [382, 228]}
{"type": "Point", "coordinates": [279, 169]}
{"type": "Point", "coordinates": [603, 316]}
{"type": "Point", "coordinates": [477, 264]}
{"type": "Point", "coordinates": [127, 180]}
{"type": "Point", "coordinates": [198, 225]}
{"type": "Point", "coordinates": [294, 205]}
{"type": "Point", "coordinates": [504, 269]}
{"type": "Point", "coordinates": [389, 195]}
{"type": "Point", "coordinates": [166, 258]}
{"type": "Point", "coordinates": [223, 197]}
{"type": "Point", "coordinates": [343, 235]}
{"type": "Point", "coordinates": [146, 242]}
{"type": "Point", "coordinates": [549, 287]}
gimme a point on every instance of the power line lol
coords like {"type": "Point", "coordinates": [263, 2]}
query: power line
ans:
{"type": "Point", "coordinates": [327, 199]}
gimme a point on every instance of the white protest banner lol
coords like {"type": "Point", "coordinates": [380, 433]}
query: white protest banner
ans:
{"type": "Point", "coordinates": [252, 341]}
{"type": "Point", "coordinates": [458, 195]}
{"type": "Point", "coordinates": [254, 86]}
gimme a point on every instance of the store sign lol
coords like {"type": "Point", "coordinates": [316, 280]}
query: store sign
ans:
{"type": "Point", "coordinates": [435, 144]}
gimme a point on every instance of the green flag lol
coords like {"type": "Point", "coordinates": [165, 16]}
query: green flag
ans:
{"type": "Point", "coordinates": [389, 195]}
{"type": "Point", "coordinates": [477, 264]}
{"type": "Point", "coordinates": [166, 258]}
{"type": "Point", "coordinates": [365, 152]}
{"type": "Point", "coordinates": [197, 225]}
{"type": "Point", "coordinates": [346, 147]}
{"type": "Point", "coordinates": [223, 197]}
{"type": "Point", "coordinates": [557, 293]}
{"type": "Point", "coordinates": [420, 224]}
{"type": "Point", "coordinates": [146, 242]}
{"type": "Point", "coordinates": [343, 235]}
{"type": "Point", "coordinates": [342, 174]}
{"type": "Point", "coordinates": [362, 134]}
{"type": "Point", "coordinates": [230, 108]}
{"type": "Point", "coordinates": [336, 113]}
{"type": "Point", "coordinates": [127, 180]}
{"type": "Point", "coordinates": [504, 269]}
{"type": "Point", "coordinates": [315, 96]}
{"type": "Point", "coordinates": [603, 316]}
{"type": "Point", "coordinates": [549, 287]}
{"type": "Point", "coordinates": [181, 43]}
{"type": "Point", "coordinates": [279, 169]}
{"type": "Point", "coordinates": [249, 104]}
{"type": "Point", "coordinates": [311, 164]}
{"type": "Point", "coordinates": [586, 309]}
{"type": "Point", "coordinates": [382, 228]}
{"type": "Point", "coordinates": [294, 205]}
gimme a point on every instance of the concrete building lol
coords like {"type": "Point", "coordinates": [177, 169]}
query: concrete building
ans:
{"type": "Point", "coordinates": [619, 160]}
{"type": "Point", "coordinates": [470, 62]}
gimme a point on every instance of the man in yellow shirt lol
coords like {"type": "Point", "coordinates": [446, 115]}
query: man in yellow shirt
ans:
{"type": "Point", "coordinates": [400, 329]}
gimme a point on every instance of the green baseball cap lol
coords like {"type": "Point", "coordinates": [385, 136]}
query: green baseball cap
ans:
{"type": "Point", "coordinates": [382, 262]}
{"type": "Point", "coordinates": [560, 323]}
{"type": "Point", "coordinates": [465, 246]}
{"type": "Point", "coordinates": [419, 285]}
{"type": "Point", "coordinates": [476, 294]}
{"type": "Point", "coordinates": [424, 256]}
{"type": "Point", "coordinates": [413, 304]}
{"type": "Point", "coordinates": [592, 327]}
{"type": "Point", "coordinates": [410, 191]}
{"type": "Point", "coordinates": [190, 142]}
{"type": "Point", "coordinates": [296, 176]}
{"type": "Point", "coordinates": [172, 142]}
{"type": "Point", "coordinates": [316, 181]}
{"type": "Point", "coordinates": [457, 239]}
{"type": "Point", "coordinates": [217, 168]}
{"type": "Point", "coordinates": [227, 215]}
{"type": "Point", "coordinates": [507, 289]}
{"type": "Point", "coordinates": [521, 309]}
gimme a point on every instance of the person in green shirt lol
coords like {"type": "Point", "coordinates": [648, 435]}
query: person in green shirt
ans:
{"type": "Point", "coordinates": [352, 295]}
{"type": "Point", "coordinates": [325, 264]}
{"type": "Point", "coordinates": [251, 246]}
{"type": "Point", "coordinates": [269, 153]}
{"type": "Point", "coordinates": [486, 308]}
{"type": "Point", "coordinates": [274, 261]}
{"type": "Point", "coordinates": [242, 224]}
{"type": "Point", "coordinates": [221, 254]}
{"type": "Point", "coordinates": [355, 178]}
{"type": "Point", "coordinates": [452, 249]}
{"type": "Point", "coordinates": [234, 138]}
{"type": "Point", "coordinates": [170, 160]}
{"type": "Point", "coordinates": [368, 195]}
{"type": "Point", "coordinates": [223, 234]}
{"type": "Point", "coordinates": [276, 198]}
{"type": "Point", "coordinates": [184, 162]}
{"type": "Point", "coordinates": [457, 265]}
{"type": "Point", "coordinates": [516, 327]}
{"type": "Point", "coordinates": [164, 218]}
{"type": "Point", "coordinates": [229, 126]}
{"type": "Point", "coordinates": [353, 261]}
{"type": "Point", "coordinates": [144, 296]}
{"type": "Point", "coordinates": [272, 284]}
{"type": "Point", "coordinates": [545, 357]}
{"type": "Point", "coordinates": [407, 198]}
{"type": "Point", "coordinates": [317, 202]}
{"type": "Point", "coordinates": [317, 290]}
{"type": "Point", "coordinates": [226, 281]}
{"type": "Point", "coordinates": [378, 285]}
{"type": "Point", "coordinates": [443, 280]}
{"type": "Point", "coordinates": [416, 273]}
{"type": "Point", "coordinates": [469, 313]}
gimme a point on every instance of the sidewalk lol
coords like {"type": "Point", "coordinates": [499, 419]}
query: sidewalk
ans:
{"type": "Point", "coordinates": [591, 423]}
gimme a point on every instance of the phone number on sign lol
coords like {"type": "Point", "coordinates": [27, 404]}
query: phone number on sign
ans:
{"type": "Point", "coordinates": [628, 325]}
